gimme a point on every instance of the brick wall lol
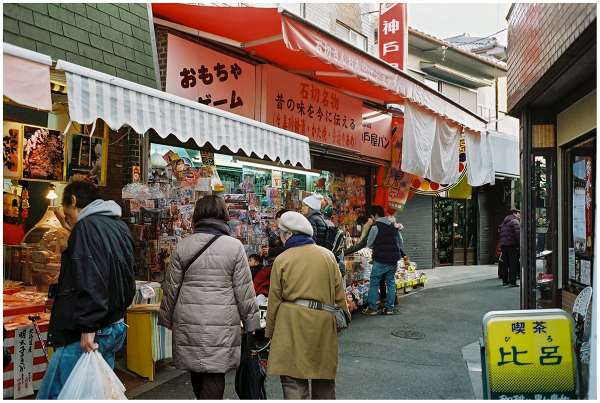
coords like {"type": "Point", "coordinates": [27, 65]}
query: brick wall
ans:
{"type": "Point", "coordinates": [111, 38]}
{"type": "Point", "coordinates": [538, 34]}
{"type": "Point", "coordinates": [161, 34]}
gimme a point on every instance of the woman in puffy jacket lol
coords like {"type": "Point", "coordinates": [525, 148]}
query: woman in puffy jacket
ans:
{"type": "Point", "coordinates": [204, 304]}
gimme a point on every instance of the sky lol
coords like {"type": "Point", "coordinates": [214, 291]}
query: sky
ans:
{"type": "Point", "coordinates": [446, 20]}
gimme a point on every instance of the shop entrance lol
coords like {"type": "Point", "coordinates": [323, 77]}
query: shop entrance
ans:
{"type": "Point", "coordinates": [455, 232]}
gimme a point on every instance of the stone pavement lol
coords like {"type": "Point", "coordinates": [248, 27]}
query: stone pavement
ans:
{"type": "Point", "coordinates": [418, 354]}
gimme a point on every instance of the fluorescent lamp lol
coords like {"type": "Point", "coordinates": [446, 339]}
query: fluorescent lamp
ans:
{"type": "Point", "coordinates": [278, 168]}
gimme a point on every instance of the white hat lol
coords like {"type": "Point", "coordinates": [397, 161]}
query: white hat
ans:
{"type": "Point", "coordinates": [313, 201]}
{"type": "Point", "coordinates": [296, 223]}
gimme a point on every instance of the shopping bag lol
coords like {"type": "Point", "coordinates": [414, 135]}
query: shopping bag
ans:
{"type": "Point", "coordinates": [92, 379]}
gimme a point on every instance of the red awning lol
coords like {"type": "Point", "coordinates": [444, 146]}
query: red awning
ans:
{"type": "Point", "coordinates": [294, 44]}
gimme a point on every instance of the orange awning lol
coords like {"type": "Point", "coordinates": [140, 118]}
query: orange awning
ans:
{"type": "Point", "coordinates": [296, 45]}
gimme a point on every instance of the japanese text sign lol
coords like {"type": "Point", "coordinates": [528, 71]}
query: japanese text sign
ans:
{"type": "Point", "coordinates": [211, 78]}
{"type": "Point", "coordinates": [393, 34]}
{"type": "Point", "coordinates": [529, 355]}
{"type": "Point", "coordinates": [23, 362]}
{"type": "Point", "coordinates": [377, 132]}
{"type": "Point", "coordinates": [314, 110]}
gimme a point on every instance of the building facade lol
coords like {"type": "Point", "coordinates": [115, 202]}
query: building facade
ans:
{"type": "Point", "coordinates": [552, 90]}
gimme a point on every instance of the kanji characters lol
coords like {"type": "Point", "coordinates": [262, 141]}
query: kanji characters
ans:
{"type": "Point", "coordinates": [390, 47]}
{"type": "Point", "coordinates": [315, 93]}
{"type": "Point", "coordinates": [335, 101]}
{"type": "Point", "coordinates": [392, 26]}
{"type": "Point", "coordinates": [325, 99]}
{"type": "Point", "coordinates": [189, 78]}
{"type": "Point", "coordinates": [205, 75]}
{"type": "Point", "coordinates": [280, 100]}
{"type": "Point", "coordinates": [337, 119]}
{"type": "Point", "coordinates": [300, 107]}
{"type": "Point", "coordinates": [320, 114]}
{"type": "Point", "coordinates": [539, 327]}
{"type": "Point", "coordinates": [221, 71]}
{"type": "Point", "coordinates": [515, 357]}
{"type": "Point", "coordinates": [518, 327]}
{"type": "Point", "coordinates": [236, 70]}
{"type": "Point", "coordinates": [304, 90]}
{"type": "Point", "coordinates": [549, 356]}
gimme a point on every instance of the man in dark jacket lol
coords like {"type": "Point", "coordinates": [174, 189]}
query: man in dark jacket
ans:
{"type": "Point", "coordinates": [95, 286]}
{"type": "Point", "coordinates": [385, 241]}
{"type": "Point", "coordinates": [311, 209]}
{"type": "Point", "coordinates": [510, 238]}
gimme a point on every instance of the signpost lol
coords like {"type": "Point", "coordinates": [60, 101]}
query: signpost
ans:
{"type": "Point", "coordinates": [529, 355]}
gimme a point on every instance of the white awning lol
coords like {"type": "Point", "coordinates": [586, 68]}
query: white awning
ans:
{"type": "Point", "coordinates": [27, 77]}
{"type": "Point", "coordinates": [505, 147]}
{"type": "Point", "coordinates": [95, 95]}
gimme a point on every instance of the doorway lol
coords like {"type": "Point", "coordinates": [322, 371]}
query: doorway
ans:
{"type": "Point", "coordinates": [455, 232]}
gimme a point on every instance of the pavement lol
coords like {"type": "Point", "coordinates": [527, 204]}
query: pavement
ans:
{"type": "Point", "coordinates": [427, 351]}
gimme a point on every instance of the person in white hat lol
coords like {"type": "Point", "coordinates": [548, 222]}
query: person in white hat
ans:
{"type": "Point", "coordinates": [311, 208]}
{"type": "Point", "coordinates": [304, 341]}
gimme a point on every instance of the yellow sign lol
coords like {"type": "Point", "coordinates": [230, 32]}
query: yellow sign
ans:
{"type": "Point", "coordinates": [529, 354]}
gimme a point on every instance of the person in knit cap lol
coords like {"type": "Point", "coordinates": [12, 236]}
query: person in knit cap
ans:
{"type": "Point", "coordinates": [311, 208]}
{"type": "Point", "coordinates": [304, 341]}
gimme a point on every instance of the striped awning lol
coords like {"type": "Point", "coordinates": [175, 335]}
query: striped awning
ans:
{"type": "Point", "coordinates": [95, 95]}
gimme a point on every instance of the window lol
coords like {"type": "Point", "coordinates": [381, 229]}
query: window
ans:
{"type": "Point", "coordinates": [579, 163]}
{"type": "Point", "coordinates": [462, 96]}
{"type": "Point", "coordinates": [349, 35]}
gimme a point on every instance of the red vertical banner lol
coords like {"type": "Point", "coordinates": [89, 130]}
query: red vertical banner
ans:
{"type": "Point", "coordinates": [393, 34]}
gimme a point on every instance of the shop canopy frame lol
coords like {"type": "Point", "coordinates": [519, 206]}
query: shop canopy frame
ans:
{"type": "Point", "coordinates": [94, 95]}
{"type": "Point", "coordinates": [286, 40]}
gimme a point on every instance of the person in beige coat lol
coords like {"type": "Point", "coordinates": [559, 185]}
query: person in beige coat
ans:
{"type": "Point", "coordinates": [304, 341]}
{"type": "Point", "coordinates": [205, 304]}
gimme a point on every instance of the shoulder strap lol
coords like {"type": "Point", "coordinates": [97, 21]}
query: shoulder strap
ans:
{"type": "Point", "coordinates": [192, 260]}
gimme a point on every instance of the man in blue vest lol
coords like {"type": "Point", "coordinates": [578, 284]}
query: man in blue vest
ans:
{"type": "Point", "coordinates": [384, 239]}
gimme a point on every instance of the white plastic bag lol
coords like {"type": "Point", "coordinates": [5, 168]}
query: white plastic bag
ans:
{"type": "Point", "coordinates": [92, 379]}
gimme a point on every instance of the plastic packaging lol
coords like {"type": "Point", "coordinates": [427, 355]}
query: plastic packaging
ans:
{"type": "Point", "coordinates": [92, 379]}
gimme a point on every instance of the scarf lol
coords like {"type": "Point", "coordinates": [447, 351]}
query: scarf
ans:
{"type": "Point", "coordinates": [298, 240]}
{"type": "Point", "coordinates": [212, 226]}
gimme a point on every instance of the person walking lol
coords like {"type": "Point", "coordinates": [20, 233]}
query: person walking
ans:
{"type": "Point", "coordinates": [311, 209]}
{"type": "Point", "coordinates": [304, 340]}
{"type": "Point", "coordinates": [510, 239]}
{"type": "Point", "coordinates": [208, 290]}
{"type": "Point", "coordinates": [385, 241]}
{"type": "Point", "coordinates": [95, 286]}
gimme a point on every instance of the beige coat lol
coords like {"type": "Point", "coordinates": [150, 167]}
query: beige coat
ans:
{"type": "Point", "coordinates": [216, 294]}
{"type": "Point", "coordinates": [304, 341]}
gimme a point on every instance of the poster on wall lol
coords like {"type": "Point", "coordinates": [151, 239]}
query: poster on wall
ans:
{"type": "Point", "coordinates": [585, 272]}
{"type": "Point", "coordinates": [572, 272]}
{"type": "Point", "coordinates": [321, 113]}
{"type": "Point", "coordinates": [23, 362]}
{"type": "Point", "coordinates": [86, 158]}
{"type": "Point", "coordinates": [12, 141]}
{"type": "Point", "coordinates": [43, 154]}
{"type": "Point", "coordinates": [211, 78]}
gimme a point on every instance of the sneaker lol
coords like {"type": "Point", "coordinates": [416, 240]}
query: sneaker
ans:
{"type": "Point", "coordinates": [370, 312]}
{"type": "Point", "coordinates": [389, 312]}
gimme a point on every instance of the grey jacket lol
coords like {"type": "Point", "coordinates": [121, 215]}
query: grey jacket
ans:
{"type": "Point", "coordinates": [216, 294]}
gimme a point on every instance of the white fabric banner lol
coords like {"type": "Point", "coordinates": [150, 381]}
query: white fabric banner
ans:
{"type": "Point", "coordinates": [480, 161]}
{"type": "Point", "coordinates": [27, 77]}
{"type": "Point", "coordinates": [443, 167]}
{"type": "Point", "coordinates": [417, 142]}
{"type": "Point", "coordinates": [94, 95]}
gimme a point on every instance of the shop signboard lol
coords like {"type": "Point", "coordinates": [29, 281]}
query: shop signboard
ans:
{"type": "Point", "coordinates": [376, 139]}
{"type": "Point", "coordinates": [23, 362]}
{"type": "Point", "coordinates": [209, 77]}
{"type": "Point", "coordinates": [302, 106]}
{"type": "Point", "coordinates": [393, 34]}
{"type": "Point", "coordinates": [528, 355]}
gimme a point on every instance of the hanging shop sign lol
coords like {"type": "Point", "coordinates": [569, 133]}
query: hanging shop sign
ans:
{"type": "Point", "coordinates": [529, 355]}
{"type": "Point", "coordinates": [393, 34]}
{"type": "Point", "coordinates": [210, 78]}
{"type": "Point", "coordinates": [377, 132]}
{"type": "Point", "coordinates": [426, 186]}
{"type": "Point", "coordinates": [23, 362]}
{"type": "Point", "coordinates": [322, 114]}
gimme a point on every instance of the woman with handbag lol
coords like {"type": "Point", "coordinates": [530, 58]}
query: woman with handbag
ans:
{"type": "Point", "coordinates": [207, 292]}
{"type": "Point", "coordinates": [307, 306]}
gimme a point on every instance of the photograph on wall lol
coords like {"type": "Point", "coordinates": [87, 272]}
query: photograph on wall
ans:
{"type": "Point", "coordinates": [86, 158]}
{"type": "Point", "coordinates": [11, 144]}
{"type": "Point", "coordinates": [579, 212]}
{"type": "Point", "coordinates": [43, 154]}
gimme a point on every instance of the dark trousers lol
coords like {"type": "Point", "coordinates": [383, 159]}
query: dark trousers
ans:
{"type": "Point", "coordinates": [299, 389]}
{"type": "Point", "coordinates": [208, 386]}
{"type": "Point", "coordinates": [510, 255]}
